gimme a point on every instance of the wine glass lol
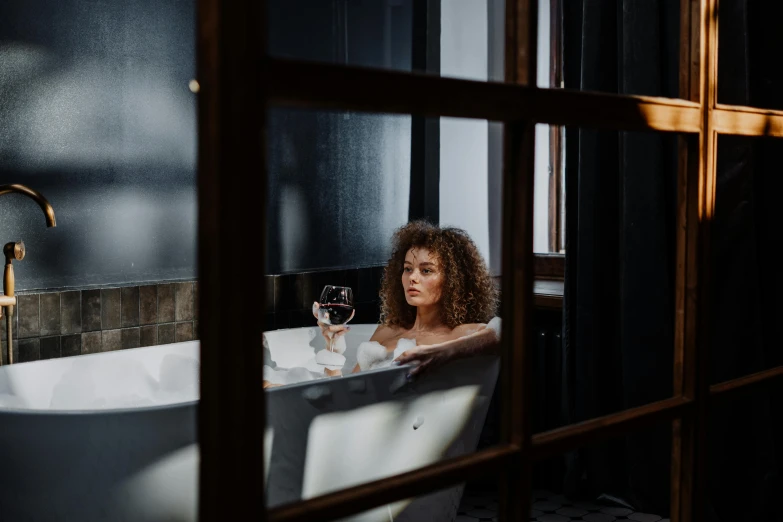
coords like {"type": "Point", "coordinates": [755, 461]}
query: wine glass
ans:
{"type": "Point", "coordinates": [335, 307]}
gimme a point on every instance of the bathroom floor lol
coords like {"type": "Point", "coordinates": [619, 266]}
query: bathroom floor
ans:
{"type": "Point", "coordinates": [548, 507]}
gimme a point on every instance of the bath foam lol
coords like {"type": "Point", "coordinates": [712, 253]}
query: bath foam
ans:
{"type": "Point", "coordinates": [123, 382]}
{"type": "Point", "coordinates": [332, 359]}
{"type": "Point", "coordinates": [289, 376]}
{"type": "Point", "coordinates": [494, 325]}
{"type": "Point", "coordinates": [178, 379]}
{"type": "Point", "coordinates": [371, 355]}
{"type": "Point", "coordinates": [119, 382]}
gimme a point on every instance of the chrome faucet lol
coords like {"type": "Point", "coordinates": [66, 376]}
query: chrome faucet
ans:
{"type": "Point", "coordinates": [16, 251]}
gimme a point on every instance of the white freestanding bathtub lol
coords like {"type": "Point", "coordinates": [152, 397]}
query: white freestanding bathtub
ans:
{"type": "Point", "coordinates": [112, 436]}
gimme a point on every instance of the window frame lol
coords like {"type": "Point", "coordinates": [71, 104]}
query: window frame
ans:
{"type": "Point", "coordinates": [239, 80]}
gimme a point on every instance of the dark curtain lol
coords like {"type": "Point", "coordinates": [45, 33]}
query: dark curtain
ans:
{"type": "Point", "coordinates": [619, 297]}
{"type": "Point", "coordinates": [746, 433]}
{"type": "Point", "coordinates": [620, 251]}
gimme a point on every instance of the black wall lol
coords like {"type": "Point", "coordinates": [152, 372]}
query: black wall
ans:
{"type": "Point", "coordinates": [96, 114]}
{"type": "Point", "coordinates": [338, 181]}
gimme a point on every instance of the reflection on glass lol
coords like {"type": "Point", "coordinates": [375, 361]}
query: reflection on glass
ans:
{"type": "Point", "coordinates": [459, 39]}
{"type": "Point", "coordinates": [745, 445]}
{"type": "Point", "coordinates": [412, 390]}
{"type": "Point", "coordinates": [624, 478]}
{"type": "Point", "coordinates": [624, 47]}
{"type": "Point", "coordinates": [617, 351]}
{"type": "Point", "coordinates": [744, 330]}
{"type": "Point", "coordinates": [748, 42]}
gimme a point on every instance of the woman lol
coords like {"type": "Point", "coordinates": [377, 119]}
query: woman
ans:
{"type": "Point", "coordinates": [437, 297]}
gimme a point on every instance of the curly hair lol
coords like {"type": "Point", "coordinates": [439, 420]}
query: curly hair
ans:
{"type": "Point", "coordinates": [468, 294]}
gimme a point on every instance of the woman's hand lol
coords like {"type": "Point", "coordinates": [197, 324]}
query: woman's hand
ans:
{"type": "Point", "coordinates": [331, 332]}
{"type": "Point", "coordinates": [428, 358]}
{"type": "Point", "coordinates": [481, 342]}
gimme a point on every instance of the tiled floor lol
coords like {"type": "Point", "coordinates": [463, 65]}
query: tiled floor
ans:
{"type": "Point", "coordinates": [549, 507]}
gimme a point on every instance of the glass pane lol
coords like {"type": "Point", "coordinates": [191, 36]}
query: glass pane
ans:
{"type": "Point", "coordinates": [549, 198]}
{"type": "Point", "coordinates": [612, 347]}
{"type": "Point", "coordinates": [339, 184]}
{"type": "Point", "coordinates": [746, 276]}
{"type": "Point", "coordinates": [624, 478]}
{"type": "Point", "coordinates": [621, 47]}
{"type": "Point", "coordinates": [745, 459]}
{"type": "Point", "coordinates": [347, 416]}
{"type": "Point", "coordinates": [749, 44]}
{"type": "Point", "coordinates": [99, 120]}
{"type": "Point", "coordinates": [452, 38]}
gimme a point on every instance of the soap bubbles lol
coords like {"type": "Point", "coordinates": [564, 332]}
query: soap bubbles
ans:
{"type": "Point", "coordinates": [123, 382]}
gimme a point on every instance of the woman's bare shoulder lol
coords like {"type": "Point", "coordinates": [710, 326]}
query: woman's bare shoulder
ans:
{"type": "Point", "coordinates": [467, 329]}
{"type": "Point", "coordinates": [384, 332]}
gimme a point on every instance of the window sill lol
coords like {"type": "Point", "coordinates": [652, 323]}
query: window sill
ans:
{"type": "Point", "coordinates": [548, 294]}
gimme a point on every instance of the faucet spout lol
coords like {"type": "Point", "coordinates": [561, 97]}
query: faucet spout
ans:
{"type": "Point", "coordinates": [35, 196]}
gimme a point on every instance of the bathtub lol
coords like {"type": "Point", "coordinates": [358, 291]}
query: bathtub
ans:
{"type": "Point", "coordinates": [66, 455]}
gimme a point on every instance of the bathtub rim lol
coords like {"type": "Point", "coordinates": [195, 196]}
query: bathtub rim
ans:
{"type": "Point", "coordinates": [99, 411]}
{"type": "Point", "coordinates": [93, 411]}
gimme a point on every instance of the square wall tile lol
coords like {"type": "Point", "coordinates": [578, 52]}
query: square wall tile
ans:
{"type": "Point", "coordinates": [130, 338]}
{"type": "Point", "coordinates": [28, 324]}
{"type": "Point", "coordinates": [70, 345]}
{"type": "Point", "coordinates": [29, 350]}
{"type": "Point", "coordinates": [50, 314]}
{"type": "Point", "coordinates": [71, 312]}
{"type": "Point", "coordinates": [50, 347]}
{"type": "Point", "coordinates": [148, 304]}
{"type": "Point", "coordinates": [4, 349]}
{"type": "Point", "coordinates": [269, 294]}
{"type": "Point", "coordinates": [91, 310]}
{"type": "Point", "coordinates": [129, 306]}
{"type": "Point", "coordinates": [111, 340]}
{"type": "Point", "coordinates": [14, 326]}
{"type": "Point", "coordinates": [287, 298]}
{"type": "Point", "coordinates": [110, 308]}
{"type": "Point", "coordinates": [91, 342]}
{"type": "Point", "coordinates": [148, 335]}
{"type": "Point", "coordinates": [166, 303]}
{"type": "Point", "coordinates": [184, 332]}
{"type": "Point", "coordinates": [166, 333]}
{"type": "Point", "coordinates": [183, 301]}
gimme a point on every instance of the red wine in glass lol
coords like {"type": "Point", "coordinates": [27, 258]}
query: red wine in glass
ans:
{"type": "Point", "coordinates": [335, 306]}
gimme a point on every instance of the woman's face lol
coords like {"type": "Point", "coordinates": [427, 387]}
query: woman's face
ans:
{"type": "Point", "coordinates": [422, 277]}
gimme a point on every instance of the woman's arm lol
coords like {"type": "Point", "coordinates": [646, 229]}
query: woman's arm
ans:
{"type": "Point", "coordinates": [482, 341]}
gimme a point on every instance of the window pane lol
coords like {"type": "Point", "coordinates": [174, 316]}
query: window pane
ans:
{"type": "Point", "coordinates": [744, 336]}
{"type": "Point", "coordinates": [621, 47]}
{"type": "Point", "coordinates": [612, 347]}
{"type": "Point", "coordinates": [101, 122]}
{"type": "Point", "coordinates": [749, 43]}
{"type": "Point", "coordinates": [338, 186]}
{"type": "Point", "coordinates": [623, 478]}
{"type": "Point", "coordinates": [451, 38]}
{"type": "Point", "coordinates": [549, 197]}
{"type": "Point", "coordinates": [345, 417]}
{"type": "Point", "coordinates": [745, 465]}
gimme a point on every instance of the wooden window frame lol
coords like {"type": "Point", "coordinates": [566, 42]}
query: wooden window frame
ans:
{"type": "Point", "coordinates": [238, 81]}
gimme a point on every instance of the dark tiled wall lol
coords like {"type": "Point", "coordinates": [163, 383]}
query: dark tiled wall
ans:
{"type": "Point", "coordinates": [61, 324]}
